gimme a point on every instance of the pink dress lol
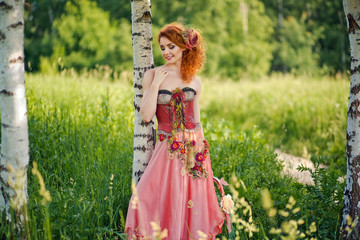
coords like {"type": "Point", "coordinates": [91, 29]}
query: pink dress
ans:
{"type": "Point", "coordinates": [176, 190]}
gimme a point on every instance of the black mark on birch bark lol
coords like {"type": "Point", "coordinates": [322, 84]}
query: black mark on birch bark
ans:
{"type": "Point", "coordinates": [139, 95]}
{"type": "Point", "coordinates": [354, 109]}
{"type": "Point", "coordinates": [352, 59]}
{"type": "Point", "coordinates": [355, 90]}
{"type": "Point", "coordinates": [138, 86]}
{"type": "Point", "coordinates": [355, 70]}
{"type": "Point", "coordinates": [7, 93]}
{"type": "Point", "coordinates": [348, 136]}
{"type": "Point", "coordinates": [136, 34]}
{"type": "Point", "coordinates": [143, 135]}
{"type": "Point", "coordinates": [145, 18]}
{"type": "Point", "coordinates": [137, 107]}
{"type": "Point", "coordinates": [147, 48]}
{"type": "Point", "coordinates": [348, 151]}
{"type": "Point", "coordinates": [15, 60]}
{"type": "Point", "coordinates": [355, 197]}
{"type": "Point", "coordinates": [15, 25]}
{"type": "Point", "coordinates": [5, 6]}
{"type": "Point", "coordinates": [5, 125]}
{"type": "Point", "coordinates": [143, 69]}
{"type": "Point", "coordinates": [140, 74]}
{"type": "Point", "coordinates": [137, 173]}
{"type": "Point", "coordinates": [138, 148]}
{"type": "Point", "coordinates": [352, 24]}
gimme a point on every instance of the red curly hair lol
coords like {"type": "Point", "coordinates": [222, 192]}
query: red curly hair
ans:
{"type": "Point", "coordinates": [193, 59]}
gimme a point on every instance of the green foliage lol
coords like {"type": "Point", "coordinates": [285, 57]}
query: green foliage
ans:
{"type": "Point", "coordinates": [39, 18]}
{"type": "Point", "coordinates": [231, 49]}
{"type": "Point", "coordinates": [85, 37]}
{"type": "Point", "coordinates": [248, 46]}
{"type": "Point", "coordinates": [324, 198]}
{"type": "Point", "coordinates": [311, 38]}
{"type": "Point", "coordinates": [296, 49]}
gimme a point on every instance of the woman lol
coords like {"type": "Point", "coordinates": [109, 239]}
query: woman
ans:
{"type": "Point", "coordinates": [176, 191]}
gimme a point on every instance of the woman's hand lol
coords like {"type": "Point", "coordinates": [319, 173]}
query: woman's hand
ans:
{"type": "Point", "coordinates": [160, 76]}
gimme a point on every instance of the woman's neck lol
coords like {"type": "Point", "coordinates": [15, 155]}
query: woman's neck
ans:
{"type": "Point", "coordinates": [174, 67]}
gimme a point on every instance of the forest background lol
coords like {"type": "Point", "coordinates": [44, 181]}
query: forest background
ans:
{"type": "Point", "coordinates": [275, 77]}
{"type": "Point", "coordinates": [243, 38]}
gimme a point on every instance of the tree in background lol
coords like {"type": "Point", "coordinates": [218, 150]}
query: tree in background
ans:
{"type": "Point", "coordinates": [248, 47]}
{"type": "Point", "coordinates": [233, 51]}
{"type": "Point", "coordinates": [295, 53]}
{"type": "Point", "coordinates": [39, 18]}
{"type": "Point", "coordinates": [85, 37]}
{"type": "Point", "coordinates": [144, 133]}
{"type": "Point", "coordinates": [350, 223]}
{"type": "Point", "coordinates": [14, 154]}
{"type": "Point", "coordinates": [325, 29]}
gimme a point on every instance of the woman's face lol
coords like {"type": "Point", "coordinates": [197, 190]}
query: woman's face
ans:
{"type": "Point", "coordinates": [171, 52]}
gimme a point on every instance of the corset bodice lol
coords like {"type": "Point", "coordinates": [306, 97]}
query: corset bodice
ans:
{"type": "Point", "coordinates": [175, 109]}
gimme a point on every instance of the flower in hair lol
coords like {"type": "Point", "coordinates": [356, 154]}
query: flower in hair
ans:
{"type": "Point", "coordinates": [190, 38]}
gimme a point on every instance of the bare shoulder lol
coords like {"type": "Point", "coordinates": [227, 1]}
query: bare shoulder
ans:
{"type": "Point", "coordinates": [197, 84]}
{"type": "Point", "coordinates": [149, 73]}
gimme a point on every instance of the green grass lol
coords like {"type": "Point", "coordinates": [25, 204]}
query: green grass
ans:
{"type": "Point", "coordinates": [81, 132]}
{"type": "Point", "coordinates": [301, 116]}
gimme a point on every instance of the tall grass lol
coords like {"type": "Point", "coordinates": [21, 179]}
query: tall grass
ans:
{"type": "Point", "coordinates": [301, 116]}
{"type": "Point", "coordinates": [81, 137]}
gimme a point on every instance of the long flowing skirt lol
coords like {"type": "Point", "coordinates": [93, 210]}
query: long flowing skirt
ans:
{"type": "Point", "coordinates": [175, 193]}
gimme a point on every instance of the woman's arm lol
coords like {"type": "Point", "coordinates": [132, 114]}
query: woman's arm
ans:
{"type": "Point", "coordinates": [151, 83]}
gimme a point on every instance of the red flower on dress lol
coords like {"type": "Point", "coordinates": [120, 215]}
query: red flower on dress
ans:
{"type": "Point", "coordinates": [182, 151]}
{"type": "Point", "coordinates": [199, 157]}
{"type": "Point", "coordinates": [206, 144]}
{"type": "Point", "coordinates": [195, 168]}
{"type": "Point", "coordinates": [205, 152]}
{"type": "Point", "coordinates": [161, 137]}
{"type": "Point", "coordinates": [174, 146]}
{"type": "Point", "coordinates": [193, 142]}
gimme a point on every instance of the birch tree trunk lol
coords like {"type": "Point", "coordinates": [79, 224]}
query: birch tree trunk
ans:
{"type": "Point", "coordinates": [350, 215]}
{"type": "Point", "coordinates": [144, 133]}
{"type": "Point", "coordinates": [14, 154]}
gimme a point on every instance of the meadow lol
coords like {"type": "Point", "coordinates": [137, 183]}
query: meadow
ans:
{"type": "Point", "coordinates": [81, 128]}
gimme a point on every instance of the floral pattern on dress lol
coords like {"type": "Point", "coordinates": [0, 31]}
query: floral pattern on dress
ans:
{"type": "Point", "coordinates": [191, 154]}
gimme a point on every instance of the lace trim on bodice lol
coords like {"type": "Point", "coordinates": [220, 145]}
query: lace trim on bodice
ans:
{"type": "Point", "coordinates": [164, 96]}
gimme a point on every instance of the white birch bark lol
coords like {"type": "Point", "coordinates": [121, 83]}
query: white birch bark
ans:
{"type": "Point", "coordinates": [144, 133]}
{"type": "Point", "coordinates": [351, 229]}
{"type": "Point", "coordinates": [14, 154]}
